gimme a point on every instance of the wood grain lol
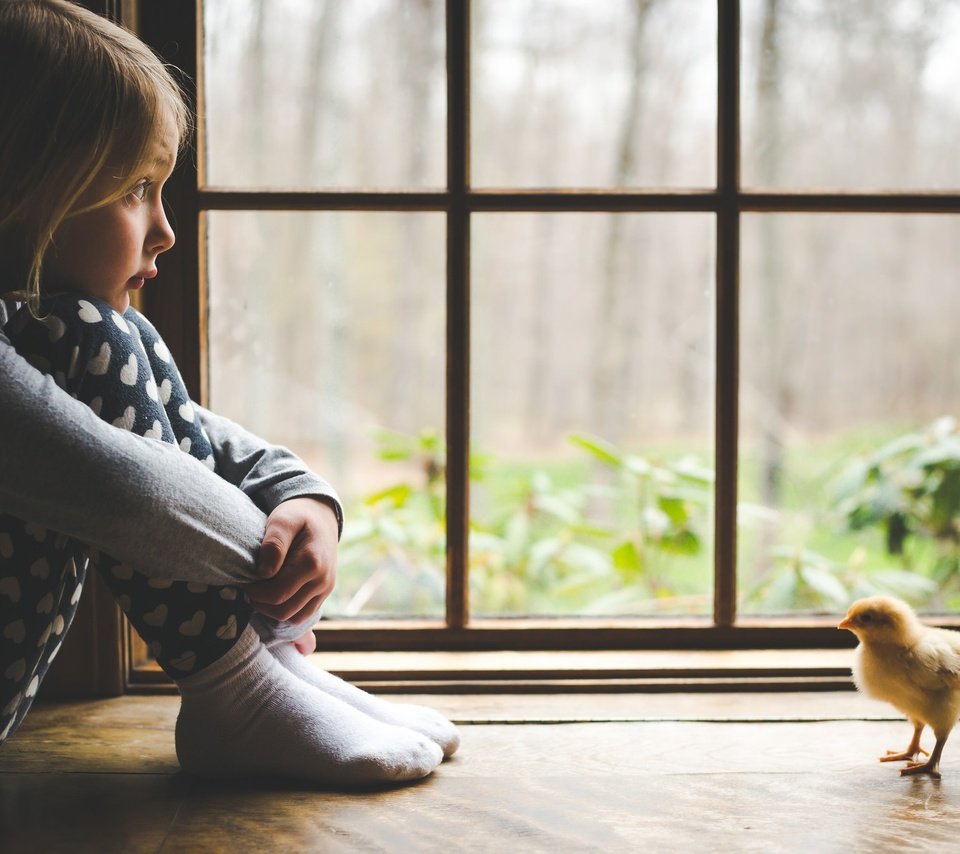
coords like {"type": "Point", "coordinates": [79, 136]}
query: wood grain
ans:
{"type": "Point", "coordinates": [102, 776]}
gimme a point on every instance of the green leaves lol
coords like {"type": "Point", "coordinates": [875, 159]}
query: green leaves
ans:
{"type": "Point", "coordinates": [908, 491]}
{"type": "Point", "coordinates": [906, 585]}
{"type": "Point", "coordinates": [603, 451]}
{"type": "Point", "coordinates": [910, 487]}
{"type": "Point", "coordinates": [541, 540]}
{"type": "Point", "coordinates": [807, 580]}
{"type": "Point", "coordinates": [824, 586]}
{"type": "Point", "coordinates": [618, 532]}
{"type": "Point", "coordinates": [627, 559]}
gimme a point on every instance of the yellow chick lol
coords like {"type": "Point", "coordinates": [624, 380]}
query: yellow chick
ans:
{"type": "Point", "coordinates": [913, 667]}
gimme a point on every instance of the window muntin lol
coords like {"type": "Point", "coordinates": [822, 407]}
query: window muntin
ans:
{"type": "Point", "coordinates": [464, 208]}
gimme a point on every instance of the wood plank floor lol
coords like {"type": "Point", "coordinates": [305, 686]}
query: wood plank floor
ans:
{"type": "Point", "coordinates": [765, 773]}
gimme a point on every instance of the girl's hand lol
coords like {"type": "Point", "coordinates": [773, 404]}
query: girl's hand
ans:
{"type": "Point", "coordinates": [298, 560]}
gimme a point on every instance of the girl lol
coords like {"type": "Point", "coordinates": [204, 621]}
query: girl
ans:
{"type": "Point", "coordinates": [92, 127]}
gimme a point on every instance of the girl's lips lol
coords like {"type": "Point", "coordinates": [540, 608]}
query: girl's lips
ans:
{"type": "Point", "coordinates": [137, 282]}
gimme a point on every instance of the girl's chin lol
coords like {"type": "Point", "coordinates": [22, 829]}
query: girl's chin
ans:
{"type": "Point", "coordinates": [120, 303]}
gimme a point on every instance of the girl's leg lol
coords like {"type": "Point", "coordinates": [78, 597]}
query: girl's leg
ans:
{"type": "Point", "coordinates": [99, 357]}
{"type": "Point", "coordinates": [41, 576]}
{"type": "Point", "coordinates": [421, 719]}
{"type": "Point", "coordinates": [186, 625]}
{"type": "Point", "coordinates": [242, 712]}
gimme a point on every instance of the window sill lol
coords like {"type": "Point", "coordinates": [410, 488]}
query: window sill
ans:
{"type": "Point", "coordinates": [650, 671]}
{"type": "Point", "coordinates": [580, 672]}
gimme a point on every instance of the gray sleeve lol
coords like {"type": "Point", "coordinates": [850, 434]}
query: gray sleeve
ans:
{"type": "Point", "coordinates": [141, 501]}
{"type": "Point", "coordinates": [267, 474]}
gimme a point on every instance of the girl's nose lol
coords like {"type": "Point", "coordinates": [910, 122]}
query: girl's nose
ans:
{"type": "Point", "coordinates": [161, 236]}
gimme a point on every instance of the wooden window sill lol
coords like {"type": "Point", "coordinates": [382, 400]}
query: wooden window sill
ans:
{"type": "Point", "coordinates": [607, 672]}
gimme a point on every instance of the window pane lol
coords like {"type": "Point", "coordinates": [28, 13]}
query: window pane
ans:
{"type": "Point", "coordinates": [343, 93]}
{"type": "Point", "coordinates": [849, 483]}
{"type": "Point", "coordinates": [592, 374]}
{"type": "Point", "coordinates": [613, 94]}
{"type": "Point", "coordinates": [851, 95]}
{"type": "Point", "coordinates": [327, 336]}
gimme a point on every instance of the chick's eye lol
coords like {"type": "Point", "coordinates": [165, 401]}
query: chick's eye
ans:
{"type": "Point", "coordinates": [866, 618]}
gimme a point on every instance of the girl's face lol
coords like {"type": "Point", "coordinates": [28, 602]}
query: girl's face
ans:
{"type": "Point", "coordinates": [112, 250]}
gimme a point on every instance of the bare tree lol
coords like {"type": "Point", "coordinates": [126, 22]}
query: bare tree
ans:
{"type": "Point", "coordinates": [620, 304]}
{"type": "Point", "coordinates": [406, 389]}
{"type": "Point", "coordinates": [775, 386]}
{"type": "Point", "coordinates": [248, 338]}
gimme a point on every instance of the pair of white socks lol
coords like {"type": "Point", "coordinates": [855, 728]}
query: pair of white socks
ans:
{"type": "Point", "coordinates": [269, 712]}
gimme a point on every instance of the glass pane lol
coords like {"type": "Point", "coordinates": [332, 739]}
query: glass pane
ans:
{"type": "Point", "coordinates": [613, 94]}
{"type": "Point", "coordinates": [327, 336]}
{"type": "Point", "coordinates": [851, 95]}
{"type": "Point", "coordinates": [341, 93]}
{"type": "Point", "coordinates": [592, 374]}
{"type": "Point", "coordinates": [849, 457]}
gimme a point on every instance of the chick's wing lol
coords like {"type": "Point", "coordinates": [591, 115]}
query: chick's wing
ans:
{"type": "Point", "coordinates": [937, 657]}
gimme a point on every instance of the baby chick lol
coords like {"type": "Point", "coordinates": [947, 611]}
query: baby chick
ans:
{"type": "Point", "coordinates": [913, 667]}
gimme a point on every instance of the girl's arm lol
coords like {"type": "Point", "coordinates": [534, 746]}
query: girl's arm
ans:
{"type": "Point", "coordinates": [267, 474]}
{"type": "Point", "coordinates": [145, 503]}
{"type": "Point", "coordinates": [298, 557]}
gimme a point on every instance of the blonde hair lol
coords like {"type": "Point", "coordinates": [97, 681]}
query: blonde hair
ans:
{"type": "Point", "coordinates": [77, 92]}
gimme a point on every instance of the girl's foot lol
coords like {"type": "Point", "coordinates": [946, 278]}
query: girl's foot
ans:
{"type": "Point", "coordinates": [418, 718]}
{"type": "Point", "coordinates": [246, 715]}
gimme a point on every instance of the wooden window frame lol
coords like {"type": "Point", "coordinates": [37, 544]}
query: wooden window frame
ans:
{"type": "Point", "coordinates": [179, 309]}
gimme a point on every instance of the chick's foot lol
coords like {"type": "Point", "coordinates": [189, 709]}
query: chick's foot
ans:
{"type": "Point", "coordinates": [908, 754]}
{"type": "Point", "coordinates": [929, 767]}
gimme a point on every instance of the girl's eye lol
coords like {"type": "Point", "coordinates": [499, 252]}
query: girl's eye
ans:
{"type": "Point", "coordinates": [139, 192]}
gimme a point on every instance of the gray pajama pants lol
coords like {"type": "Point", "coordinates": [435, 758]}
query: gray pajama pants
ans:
{"type": "Point", "coordinates": [119, 367]}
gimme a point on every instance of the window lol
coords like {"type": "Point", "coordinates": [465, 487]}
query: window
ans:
{"type": "Point", "coordinates": [608, 319]}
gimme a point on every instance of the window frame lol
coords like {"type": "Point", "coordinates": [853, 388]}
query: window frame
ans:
{"type": "Point", "coordinates": [179, 310]}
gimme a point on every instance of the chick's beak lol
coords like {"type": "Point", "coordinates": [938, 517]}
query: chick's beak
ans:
{"type": "Point", "coordinates": [845, 623]}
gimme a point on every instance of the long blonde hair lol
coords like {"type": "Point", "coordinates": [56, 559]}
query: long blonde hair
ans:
{"type": "Point", "coordinates": [77, 92]}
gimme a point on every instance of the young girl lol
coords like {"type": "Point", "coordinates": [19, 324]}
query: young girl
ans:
{"type": "Point", "coordinates": [92, 127]}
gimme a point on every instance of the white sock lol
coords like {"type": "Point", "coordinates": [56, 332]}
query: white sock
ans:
{"type": "Point", "coordinates": [245, 715]}
{"type": "Point", "coordinates": [418, 718]}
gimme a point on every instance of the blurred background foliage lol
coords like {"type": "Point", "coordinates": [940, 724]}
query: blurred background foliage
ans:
{"type": "Point", "coordinates": [621, 537]}
{"type": "Point", "coordinates": [613, 530]}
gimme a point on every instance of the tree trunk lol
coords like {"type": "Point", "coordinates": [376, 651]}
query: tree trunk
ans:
{"type": "Point", "coordinates": [618, 309]}
{"type": "Point", "coordinates": [774, 387]}
{"type": "Point", "coordinates": [253, 355]}
{"type": "Point", "coordinates": [407, 391]}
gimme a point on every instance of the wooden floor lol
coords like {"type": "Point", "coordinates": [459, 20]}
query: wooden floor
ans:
{"type": "Point", "coordinates": [765, 773]}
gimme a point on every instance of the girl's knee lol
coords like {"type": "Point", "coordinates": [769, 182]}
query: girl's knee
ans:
{"type": "Point", "coordinates": [72, 335]}
{"type": "Point", "coordinates": [97, 356]}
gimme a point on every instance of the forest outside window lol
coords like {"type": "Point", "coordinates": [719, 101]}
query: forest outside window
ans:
{"type": "Point", "coordinates": [628, 321]}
